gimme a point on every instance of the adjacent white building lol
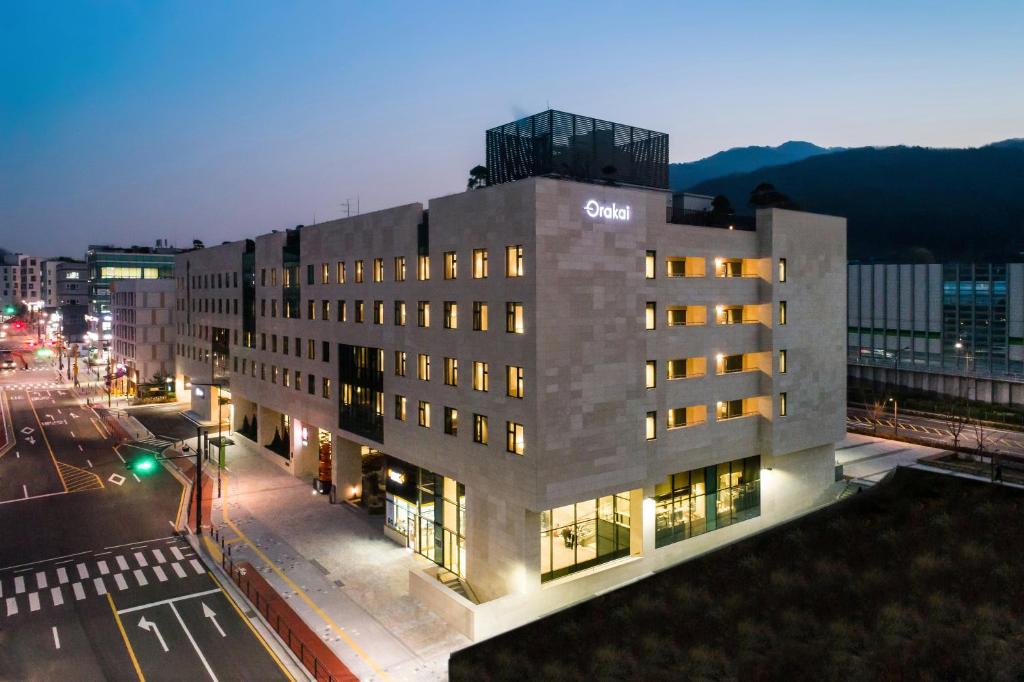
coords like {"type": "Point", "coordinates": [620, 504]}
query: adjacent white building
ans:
{"type": "Point", "coordinates": [143, 329]}
{"type": "Point", "coordinates": [573, 383]}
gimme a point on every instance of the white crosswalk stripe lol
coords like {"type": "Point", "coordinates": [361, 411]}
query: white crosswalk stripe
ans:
{"type": "Point", "coordinates": [121, 583]}
{"type": "Point", "coordinates": [178, 569]}
{"type": "Point", "coordinates": [197, 566]}
{"type": "Point", "coordinates": [177, 554]}
{"type": "Point", "coordinates": [57, 596]}
{"type": "Point", "coordinates": [83, 572]}
{"type": "Point", "coordinates": [103, 567]}
{"type": "Point", "coordinates": [33, 601]}
{"type": "Point", "coordinates": [121, 563]}
{"type": "Point", "coordinates": [141, 558]}
{"type": "Point", "coordinates": [79, 591]}
{"type": "Point", "coordinates": [41, 580]}
{"type": "Point", "coordinates": [101, 588]}
{"type": "Point", "coordinates": [159, 556]}
{"type": "Point", "coordinates": [160, 575]}
{"type": "Point", "coordinates": [141, 577]}
{"type": "Point", "coordinates": [62, 575]}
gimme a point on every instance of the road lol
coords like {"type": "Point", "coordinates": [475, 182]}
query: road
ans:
{"type": "Point", "coordinates": [94, 582]}
{"type": "Point", "coordinates": [938, 431]}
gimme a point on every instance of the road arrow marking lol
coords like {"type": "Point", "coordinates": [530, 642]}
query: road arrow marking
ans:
{"type": "Point", "coordinates": [150, 626]}
{"type": "Point", "coordinates": [49, 417]}
{"type": "Point", "coordinates": [30, 440]}
{"type": "Point", "coordinates": [208, 613]}
{"type": "Point", "coordinates": [73, 415]}
{"type": "Point", "coordinates": [28, 430]}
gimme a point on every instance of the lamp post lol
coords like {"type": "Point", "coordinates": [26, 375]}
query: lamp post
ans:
{"type": "Point", "coordinates": [895, 417]}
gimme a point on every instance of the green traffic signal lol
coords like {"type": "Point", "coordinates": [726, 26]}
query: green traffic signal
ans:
{"type": "Point", "coordinates": [143, 464]}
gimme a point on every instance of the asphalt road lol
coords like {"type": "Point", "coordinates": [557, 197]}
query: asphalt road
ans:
{"type": "Point", "coordinates": [938, 431]}
{"type": "Point", "coordinates": [94, 583]}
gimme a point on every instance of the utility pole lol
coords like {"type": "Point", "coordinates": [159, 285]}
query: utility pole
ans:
{"type": "Point", "coordinates": [199, 481]}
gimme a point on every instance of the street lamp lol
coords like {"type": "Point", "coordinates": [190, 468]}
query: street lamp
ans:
{"type": "Point", "coordinates": [895, 417]}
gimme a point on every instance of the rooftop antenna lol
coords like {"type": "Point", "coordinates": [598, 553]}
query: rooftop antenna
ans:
{"type": "Point", "coordinates": [347, 205]}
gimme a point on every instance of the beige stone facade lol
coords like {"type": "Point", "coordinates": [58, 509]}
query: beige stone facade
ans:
{"type": "Point", "coordinates": [591, 401]}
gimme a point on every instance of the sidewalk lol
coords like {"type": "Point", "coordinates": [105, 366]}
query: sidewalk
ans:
{"type": "Point", "coordinates": [335, 567]}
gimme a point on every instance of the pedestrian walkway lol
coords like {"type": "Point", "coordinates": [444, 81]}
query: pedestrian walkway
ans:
{"type": "Point", "coordinates": [868, 459]}
{"type": "Point", "coordinates": [336, 569]}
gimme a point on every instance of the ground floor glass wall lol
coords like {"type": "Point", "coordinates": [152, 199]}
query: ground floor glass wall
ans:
{"type": "Point", "coordinates": [581, 535]}
{"type": "Point", "coordinates": [695, 502]}
{"type": "Point", "coordinates": [430, 511]}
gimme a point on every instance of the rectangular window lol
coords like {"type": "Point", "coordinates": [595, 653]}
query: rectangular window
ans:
{"type": "Point", "coordinates": [651, 426]}
{"type": "Point", "coordinates": [342, 312]}
{"type": "Point", "coordinates": [451, 372]}
{"type": "Point", "coordinates": [298, 380]}
{"type": "Point", "coordinates": [310, 309]}
{"type": "Point", "coordinates": [681, 315]}
{"type": "Point", "coordinates": [400, 313]}
{"type": "Point", "coordinates": [729, 267]}
{"type": "Point", "coordinates": [341, 272]}
{"type": "Point", "coordinates": [298, 347]}
{"type": "Point", "coordinates": [325, 351]}
{"type": "Point", "coordinates": [263, 277]}
{"type": "Point", "coordinates": [263, 307]}
{"type": "Point", "coordinates": [451, 265]}
{"type": "Point", "coordinates": [479, 263]}
{"type": "Point", "coordinates": [480, 379]}
{"type": "Point", "coordinates": [480, 429]}
{"type": "Point", "coordinates": [451, 315]}
{"type": "Point", "coordinates": [309, 274]}
{"type": "Point", "coordinates": [649, 264]}
{"type": "Point", "coordinates": [378, 312]}
{"type": "Point", "coordinates": [688, 266]}
{"type": "Point", "coordinates": [423, 314]}
{"type": "Point", "coordinates": [423, 367]}
{"type": "Point", "coordinates": [513, 381]}
{"type": "Point", "coordinates": [423, 268]}
{"type": "Point", "coordinates": [325, 310]}
{"type": "Point", "coordinates": [310, 349]}
{"type": "Point", "coordinates": [479, 316]}
{"type": "Point", "coordinates": [325, 390]}
{"type": "Point", "coordinates": [286, 379]}
{"type": "Point", "coordinates": [360, 312]}
{"type": "Point", "coordinates": [400, 363]}
{"type": "Point", "coordinates": [651, 375]}
{"type": "Point", "coordinates": [651, 321]}
{"type": "Point", "coordinates": [730, 409]}
{"type": "Point", "coordinates": [514, 321]}
{"type": "Point", "coordinates": [782, 404]}
{"type": "Point", "coordinates": [685, 368]}
{"type": "Point", "coordinates": [325, 273]}
{"type": "Point", "coordinates": [514, 261]}
{"type": "Point", "coordinates": [424, 414]}
{"type": "Point", "coordinates": [729, 364]}
{"type": "Point", "coordinates": [679, 417]}
{"type": "Point", "coordinates": [782, 362]}
{"type": "Point", "coordinates": [273, 374]}
{"type": "Point", "coordinates": [782, 312]}
{"type": "Point", "coordinates": [378, 269]}
{"type": "Point", "coordinates": [273, 343]}
{"type": "Point", "coordinates": [359, 272]}
{"type": "Point", "coordinates": [273, 307]}
{"type": "Point", "coordinates": [399, 268]}
{"type": "Point", "coordinates": [310, 384]}
{"type": "Point", "coordinates": [782, 270]}
{"type": "Point", "coordinates": [515, 441]}
{"type": "Point", "coordinates": [400, 407]}
{"type": "Point", "coordinates": [284, 344]}
{"type": "Point", "coordinates": [451, 421]}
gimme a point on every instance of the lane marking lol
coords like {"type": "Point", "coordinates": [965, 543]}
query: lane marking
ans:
{"type": "Point", "coordinates": [83, 572]}
{"type": "Point", "coordinates": [41, 580]}
{"type": "Point", "coordinates": [46, 440]}
{"type": "Point", "coordinates": [137, 480]}
{"type": "Point", "coordinates": [101, 588]}
{"type": "Point", "coordinates": [124, 636]}
{"type": "Point", "coordinates": [141, 558]}
{"type": "Point", "coordinates": [79, 591]}
{"type": "Point", "coordinates": [12, 606]}
{"type": "Point", "coordinates": [56, 638]}
{"type": "Point", "coordinates": [19, 584]}
{"type": "Point", "coordinates": [122, 563]}
{"type": "Point", "coordinates": [122, 584]}
{"type": "Point", "coordinates": [161, 602]}
{"type": "Point", "coordinates": [80, 448]}
{"type": "Point", "coordinates": [57, 596]}
{"type": "Point", "coordinates": [33, 601]}
{"type": "Point", "coordinates": [73, 434]}
{"type": "Point", "coordinates": [41, 561]}
{"type": "Point", "coordinates": [197, 566]}
{"type": "Point", "coordinates": [103, 567]}
{"type": "Point", "coordinates": [159, 556]}
{"type": "Point", "coordinates": [62, 575]}
{"type": "Point", "coordinates": [25, 488]}
{"type": "Point", "coordinates": [141, 577]}
{"type": "Point", "coordinates": [142, 543]}
{"type": "Point", "coordinates": [177, 554]}
{"type": "Point", "coordinates": [89, 462]}
{"type": "Point", "coordinates": [160, 575]}
{"type": "Point", "coordinates": [194, 645]}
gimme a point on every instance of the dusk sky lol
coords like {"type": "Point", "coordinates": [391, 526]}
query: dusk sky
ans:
{"type": "Point", "coordinates": [126, 121]}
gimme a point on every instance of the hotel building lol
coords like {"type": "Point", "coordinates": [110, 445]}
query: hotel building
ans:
{"type": "Point", "coordinates": [574, 378]}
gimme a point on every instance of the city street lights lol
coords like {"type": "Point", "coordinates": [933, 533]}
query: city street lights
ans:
{"type": "Point", "coordinates": [895, 417]}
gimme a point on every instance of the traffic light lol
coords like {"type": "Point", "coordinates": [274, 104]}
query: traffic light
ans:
{"type": "Point", "coordinates": [141, 464]}
{"type": "Point", "coordinates": [9, 310]}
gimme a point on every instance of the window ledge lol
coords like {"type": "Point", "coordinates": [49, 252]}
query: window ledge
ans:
{"type": "Point", "coordinates": [738, 416]}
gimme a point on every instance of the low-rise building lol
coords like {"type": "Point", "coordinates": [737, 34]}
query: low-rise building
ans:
{"type": "Point", "coordinates": [143, 331]}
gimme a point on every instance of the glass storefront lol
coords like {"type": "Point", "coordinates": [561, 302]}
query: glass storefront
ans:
{"type": "Point", "coordinates": [695, 502]}
{"type": "Point", "coordinates": [581, 535]}
{"type": "Point", "coordinates": [430, 511]}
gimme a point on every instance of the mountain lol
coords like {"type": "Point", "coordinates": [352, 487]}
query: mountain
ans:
{"type": "Point", "coordinates": [739, 160]}
{"type": "Point", "coordinates": [1012, 143]}
{"type": "Point", "coordinates": [906, 202]}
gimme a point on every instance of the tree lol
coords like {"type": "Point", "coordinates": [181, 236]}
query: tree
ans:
{"type": "Point", "coordinates": [956, 415]}
{"type": "Point", "coordinates": [766, 196]}
{"type": "Point", "coordinates": [478, 177]}
{"type": "Point", "coordinates": [875, 411]}
{"type": "Point", "coordinates": [721, 206]}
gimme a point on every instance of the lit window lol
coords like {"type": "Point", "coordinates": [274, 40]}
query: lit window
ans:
{"type": "Point", "coordinates": [400, 363]}
{"type": "Point", "coordinates": [360, 312]}
{"type": "Point", "coordinates": [399, 268]}
{"type": "Point", "coordinates": [515, 442]}
{"type": "Point", "coordinates": [451, 315]}
{"type": "Point", "coordinates": [689, 266]}
{"type": "Point", "coordinates": [310, 349]}
{"type": "Point", "coordinates": [479, 316]}
{"type": "Point", "coordinates": [513, 261]}
{"type": "Point", "coordinates": [514, 381]}
{"type": "Point", "coordinates": [651, 321]}
{"type": "Point", "coordinates": [514, 318]}
{"type": "Point", "coordinates": [359, 272]}
{"type": "Point", "coordinates": [730, 409]}
{"type": "Point", "coordinates": [325, 273]}
{"type": "Point", "coordinates": [451, 265]}
{"type": "Point", "coordinates": [782, 270]}
{"type": "Point", "coordinates": [728, 267]}
{"type": "Point", "coordinates": [480, 378]}
{"type": "Point", "coordinates": [729, 314]}
{"type": "Point", "coordinates": [342, 312]}
{"type": "Point", "coordinates": [378, 269]}
{"type": "Point", "coordinates": [451, 372]}
{"type": "Point", "coordinates": [684, 368]}
{"type": "Point", "coordinates": [681, 315]}
{"type": "Point", "coordinates": [782, 404]}
{"type": "Point", "coordinates": [423, 367]}
{"type": "Point", "coordinates": [479, 263]}
{"type": "Point", "coordinates": [400, 313]}
{"type": "Point", "coordinates": [423, 268]}
{"type": "Point", "coordinates": [451, 421]}
{"type": "Point", "coordinates": [424, 414]}
{"type": "Point", "coordinates": [400, 407]}
{"type": "Point", "coordinates": [326, 388]}
{"type": "Point", "coordinates": [325, 310]}
{"type": "Point", "coordinates": [782, 362]}
{"type": "Point", "coordinates": [285, 377]}
{"type": "Point", "coordinates": [728, 364]}
{"type": "Point", "coordinates": [341, 272]}
{"type": "Point", "coordinates": [782, 312]}
{"type": "Point", "coordinates": [423, 314]}
{"type": "Point", "coordinates": [480, 429]}
{"type": "Point", "coordinates": [649, 264]}
{"type": "Point", "coordinates": [651, 429]}
{"type": "Point", "coordinates": [378, 312]}
{"type": "Point", "coordinates": [651, 378]}
{"type": "Point", "coordinates": [311, 309]}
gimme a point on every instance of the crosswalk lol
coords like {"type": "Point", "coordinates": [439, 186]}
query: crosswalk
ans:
{"type": "Point", "coordinates": [1003, 439]}
{"type": "Point", "coordinates": [34, 386]}
{"type": "Point", "coordinates": [154, 444]}
{"type": "Point", "coordinates": [89, 575]}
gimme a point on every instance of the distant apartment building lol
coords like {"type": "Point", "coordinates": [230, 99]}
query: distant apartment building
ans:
{"type": "Point", "coordinates": [947, 328]}
{"type": "Point", "coordinates": [143, 329]}
{"type": "Point", "coordinates": [9, 294]}
{"type": "Point", "coordinates": [575, 377]}
{"type": "Point", "coordinates": [65, 293]}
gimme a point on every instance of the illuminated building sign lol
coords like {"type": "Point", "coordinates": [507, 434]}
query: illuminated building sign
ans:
{"type": "Point", "coordinates": [396, 476]}
{"type": "Point", "coordinates": [596, 209]}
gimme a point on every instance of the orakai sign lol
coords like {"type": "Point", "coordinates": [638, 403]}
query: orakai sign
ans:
{"type": "Point", "coordinates": [596, 209]}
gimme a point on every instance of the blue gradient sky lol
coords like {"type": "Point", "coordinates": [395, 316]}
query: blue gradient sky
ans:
{"type": "Point", "coordinates": [124, 121]}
